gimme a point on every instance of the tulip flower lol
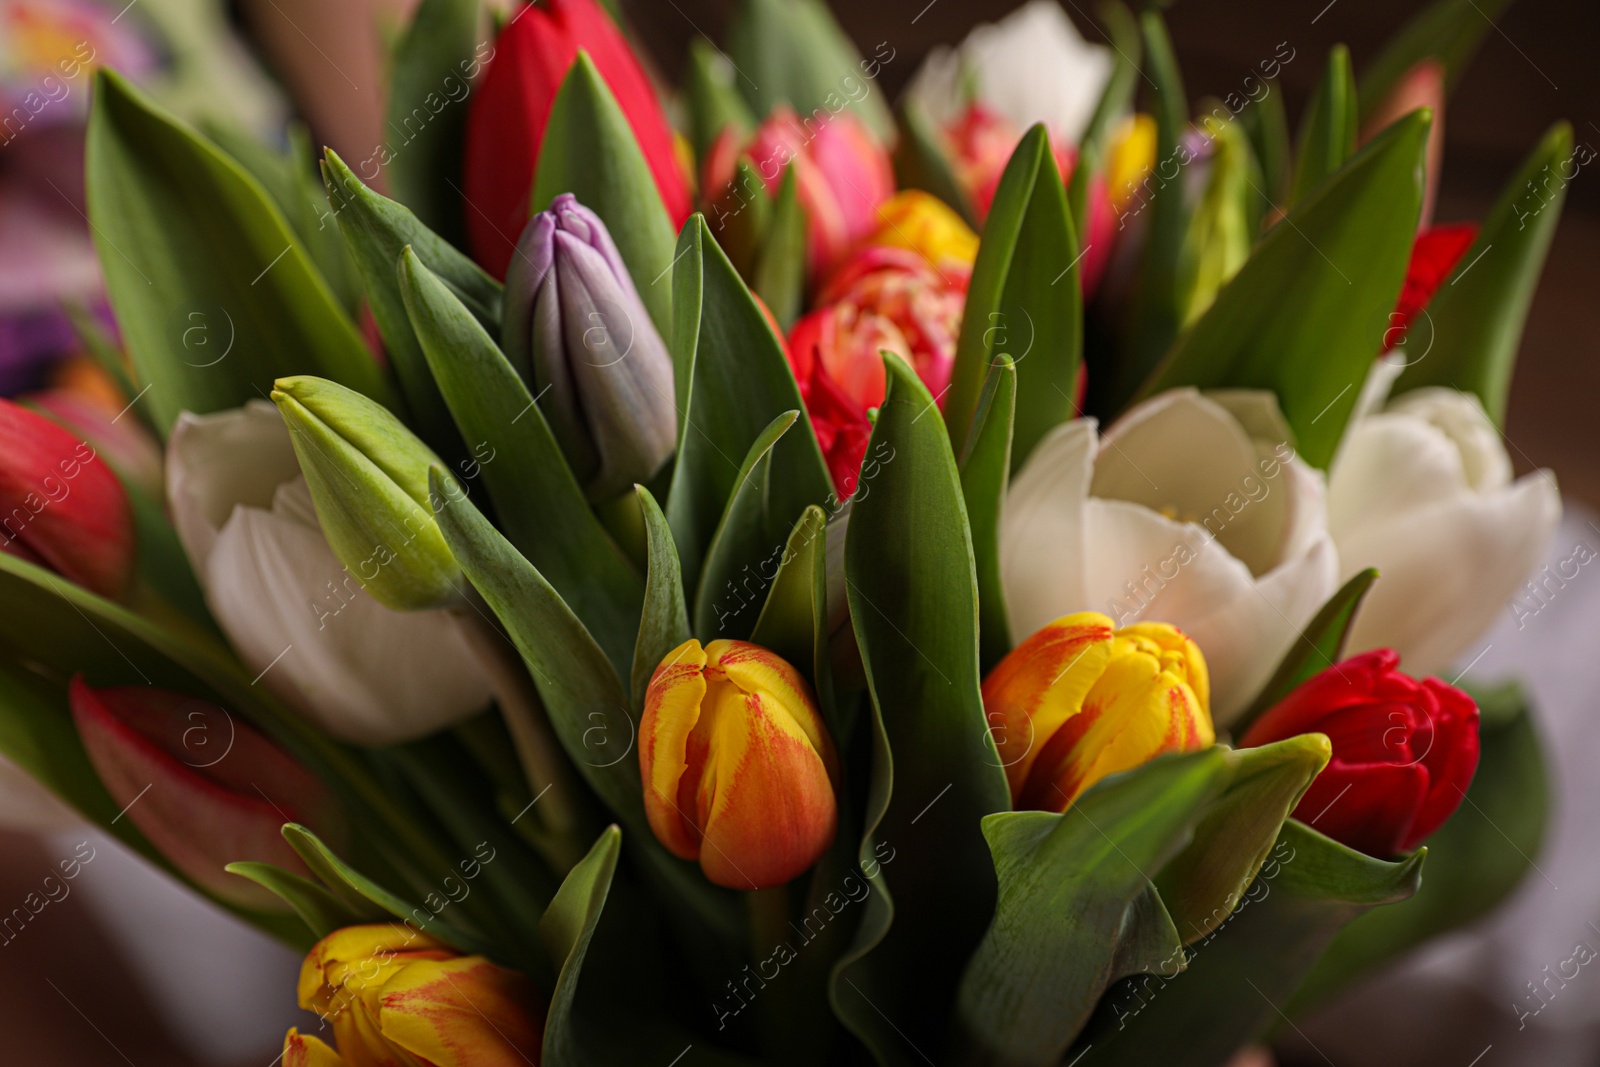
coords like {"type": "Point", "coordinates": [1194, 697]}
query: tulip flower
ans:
{"type": "Point", "coordinates": [204, 787]}
{"type": "Point", "coordinates": [127, 447]}
{"type": "Point", "coordinates": [60, 506]}
{"type": "Point", "coordinates": [926, 225]}
{"type": "Point", "coordinates": [883, 298]}
{"type": "Point", "coordinates": [1423, 85]}
{"type": "Point", "coordinates": [1433, 259]}
{"type": "Point", "coordinates": [1081, 699]}
{"type": "Point", "coordinates": [842, 175]}
{"type": "Point", "coordinates": [574, 326]}
{"type": "Point", "coordinates": [1031, 66]}
{"type": "Point", "coordinates": [738, 768]}
{"type": "Point", "coordinates": [1190, 509]}
{"type": "Point", "coordinates": [368, 476]}
{"type": "Point", "coordinates": [1404, 751]}
{"type": "Point", "coordinates": [1422, 490]}
{"type": "Point", "coordinates": [396, 996]}
{"type": "Point", "coordinates": [297, 617]}
{"type": "Point", "coordinates": [510, 108]}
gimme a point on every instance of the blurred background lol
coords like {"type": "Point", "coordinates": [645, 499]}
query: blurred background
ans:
{"type": "Point", "coordinates": [127, 969]}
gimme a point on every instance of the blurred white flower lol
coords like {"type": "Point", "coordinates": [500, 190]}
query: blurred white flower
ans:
{"type": "Point", "coordinates": [1422, 490]}
{"type": "Point", "coordinates": [1190, 510]}
{"type": "Point", "coordinates": [26, 805]}
{"type": "Point", "coordinates": [359, 670]}
{"type": "Point", "coordinates": [1031, 66]}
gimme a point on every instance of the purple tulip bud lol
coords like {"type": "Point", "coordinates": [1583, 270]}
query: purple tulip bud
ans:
{"type": "Point", "coordinates": [576, 331]}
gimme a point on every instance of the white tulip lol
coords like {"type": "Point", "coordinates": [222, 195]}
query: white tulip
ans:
{"type": "Point", "coordinates": [26, 805]}
{"type": "Point", "coordinates": [294, 614]}
{"type": "Point", "coordinates": [1422, 490]}
{"type": "Point", "coordinates": [1031, 66]}
{"type": "Point", "coordinates": [1190, 510]}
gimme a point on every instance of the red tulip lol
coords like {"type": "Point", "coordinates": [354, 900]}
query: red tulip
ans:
{"type": "Point", "coordinates": [842, 175]}
{"type": "Point", "coordinates": [510, 107]}
{"type": "Point", "coordinates": [1404, 751]}
{"type": "Point", "coordinates": [60, 505]}
{"type": "Point", "coordinates": [1433, 258]}
{"type": "Point", "coordinates": [842, 428]}
{"type": "Point", "coordinates": [205, 788]}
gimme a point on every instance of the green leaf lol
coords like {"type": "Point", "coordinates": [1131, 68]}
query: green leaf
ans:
{"type": "Point", "coordinates": [665, 622]}
{"type": "Point", "coordinates": [1477, 316]}
{"type": "Point", "coordinates": [747, 536]}
{"type": "Point", "coordinates": [913, 603]}
{"type": "Point", "coordinates": [794, 619]}
{"type": "Point", "coordinates": [780, 273]}
{"type": "Point", "coordinates": [712, 98]}
{"type": "Point", "coordinates": [320, 910]}
{"type": "Point", "coordinates": [1308, 310]}
{"type": "Point", "coordinates": [434, 63]}
{"type": "Point", "coordinates": [376, 229]}
{"type": "Point", "coordinates": [920, 161]}
{"type": "Point", "coordinates": [732, 381]}
{"type": "Point", "coordinates": [1447, 30]}
{"type": "Point", "coordinates": [1076, 911]}
{"type": "Point", "coordinates": [1267, 126]}
{"type": "Point", "coordinates": [360, 894]}
{"type": "Point", "coordinates": [1207, 880]}
{"type": "Point", "coordinates": [1321, 645]}
{"type": "Point", "coordinates": [538, 501]}
{"type": "Point", "coordinates": [801, 57]}
{"type": "Point", "coordinates": [1024, 300]}
{"type": "Point", "coordinates": [1116, 99]}
{"type": "Point", "coordinates": [1238, 980]}
{"type": "Point", "coordinates": [985, 473]}
{"type": "Point", "coordinates": [589, 150]}
{"type": "Point", "coordinates": [214, 294]}
{"type": "Point", "coordinates": [568, 926]}
{"type": "Point", "coordinates": [743, 211]}
{"type": "Point", "coordinates": [1156, 309]}
{"type": "Point", "coordinates": [1328, 128]}
{"type": "Point", "coordinates": [1475, 861]}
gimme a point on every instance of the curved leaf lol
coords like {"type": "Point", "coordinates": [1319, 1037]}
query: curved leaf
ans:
{"type": "Point", "coordinates": [1076, 910]}
{"type": "Point", "coordinates": [1476, 317]}
{"type": "Point", "coordinates": [732, 380]}
{"type": "Point", "coordinates": [1308, 310]}
{"type": "Point", "coordinates": [536, 497]}
{"type": "Point", "coordinates": [320, 910]}
{"type": "Point", "coordinates": [1328, 129]}
{"type": "Point", "coordinates": [568, 927]}
{"type": "Point", "coordinates": [214, 294]}
{"type": "Point", "coordinates": [1116, 99]}
{"type": "Point", "coordinates": [665, 621]}
{"type": "Point", "coordinates": [913, 603]}
{"type": "Point", "coordinates": [747, 536]}
{"type": "Point", "coordinates": [1239, 979]}
{"type": "Point", "coordinates": [1024, 300]}
{"type": "Point", "coordinates": [985, 472]}
{"type": "Point", "coordinates": [711, 98]}
{"type": "Point", "coordinates": [589, 150]}
{"type": "Point", "coordinates": [779, 278]}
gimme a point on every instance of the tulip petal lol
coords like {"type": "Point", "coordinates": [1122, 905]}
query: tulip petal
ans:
{"type": "Point", "coordinates": [463, 1012]}
{"type": "Point", "coordinates": [671, 711]}
{"type": "Point", "coordinates": [1448, 569]}
{"type": "Point", "coordinates": [1043, 544]}
{"type": "Point", "coordinates": [302, 1051]}
{"type": "Point", "coordinates": [1370, 807]}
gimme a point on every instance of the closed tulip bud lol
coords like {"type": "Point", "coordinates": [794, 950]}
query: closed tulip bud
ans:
{"type": "Point", "coordinates": [60, 505]}
{"type": "Point", "coordinates": [205, 788]}
{"type": "Point", "coordinates": [510, 108]}
{"type": "Point", "coordinates": [738, 768]}
{"type": "Point", "coordinates": [575, 326]}
{"type": "Point", "coordinates": [395, 996]}
{"type": "Point", "coordinates": [1080, 700]}
{"type": "Point", "coordinates": [1404, 751]}
{"type": "Point", "coordinates": [368, 476]}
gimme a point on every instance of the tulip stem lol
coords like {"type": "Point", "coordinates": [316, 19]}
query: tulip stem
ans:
{"type": "Point", "coordinates": [537, 748]}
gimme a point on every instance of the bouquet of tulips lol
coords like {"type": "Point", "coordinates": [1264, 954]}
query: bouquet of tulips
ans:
{"type": "Point", "coordinates": [802, 581]}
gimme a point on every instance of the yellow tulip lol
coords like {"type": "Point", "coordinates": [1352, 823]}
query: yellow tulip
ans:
{"type": "Point", "coordinates": [738, 769]}
{"type": "Point", "coordinates": [1080, 700]}
{"type": "Point", "coordinates": [398, 998]}
{"type": "Point", "coordinates": [926, 225]}
{"type": "Point", "coordinates": [1132, 154]}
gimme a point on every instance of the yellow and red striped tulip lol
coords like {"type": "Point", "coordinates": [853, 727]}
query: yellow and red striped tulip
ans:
{"type": "Point", "coordinates": [738, 768]}
{"type": "Point", "coordinates": [394, 996]}
{"type": "Point", "coordinates": [1080, 700]}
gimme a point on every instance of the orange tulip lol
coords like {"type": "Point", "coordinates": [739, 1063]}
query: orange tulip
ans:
{"type": "Point", "coordinates": [738, 768]}
{"type": "Point", "coordinates": [397, 998]}
{"type": "Point", "coordinates": [1080, 700]}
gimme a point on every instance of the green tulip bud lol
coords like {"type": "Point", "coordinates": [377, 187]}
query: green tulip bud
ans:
{"type": "Point", "coordinates": [368, 476]}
